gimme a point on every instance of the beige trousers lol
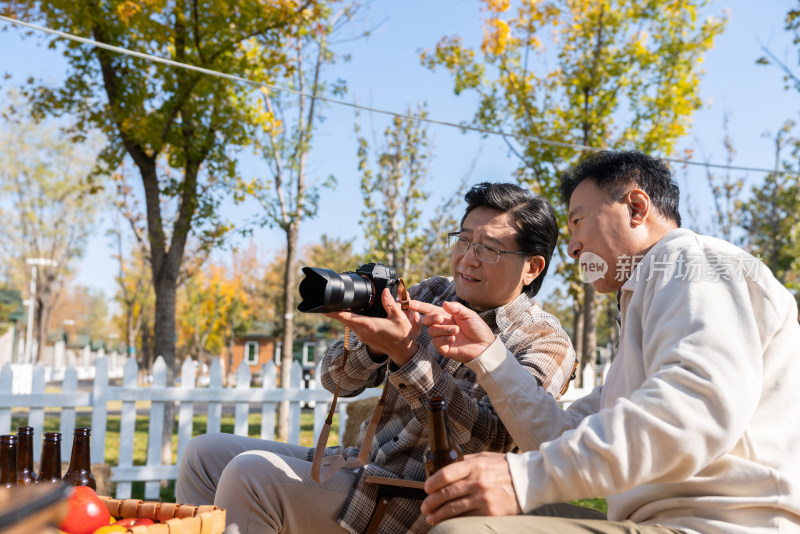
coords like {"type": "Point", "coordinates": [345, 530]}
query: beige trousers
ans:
{"type": "Point", "coordinates": [553, 518]}
{"type": "Point", "coordinates": [264, 486]}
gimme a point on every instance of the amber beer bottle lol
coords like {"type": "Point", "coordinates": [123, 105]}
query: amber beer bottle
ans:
{"type": "Point", "coordinates": [8, 461]}
{"type": "Point", "coordinates": [80, 465]}
{"type": "Point", "coordinates": [442, 450]}
{"type": "Point", "coordinates": [25, 473]}
{"type": "Point", "coordinates": [50, 467]}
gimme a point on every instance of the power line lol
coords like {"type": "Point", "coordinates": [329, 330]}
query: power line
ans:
{"type": "Point", "coordinates": [240, 79]}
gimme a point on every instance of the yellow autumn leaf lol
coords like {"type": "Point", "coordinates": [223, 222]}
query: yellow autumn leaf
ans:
{"type": "Point", "coordinates": [497, 6]}
{"type": "Point", "coordinates": [495, 37]}
{"type": "Point", "coordinates": [128, 9]}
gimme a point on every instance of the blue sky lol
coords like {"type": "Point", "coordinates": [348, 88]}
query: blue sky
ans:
{"type": "Point", "coordinates": [385, 73]}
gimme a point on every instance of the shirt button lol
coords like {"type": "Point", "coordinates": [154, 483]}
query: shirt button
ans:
{"type": "Point", "coordinates": [395, 438]}
{"type": "Point", "coordinates": [401, 385]}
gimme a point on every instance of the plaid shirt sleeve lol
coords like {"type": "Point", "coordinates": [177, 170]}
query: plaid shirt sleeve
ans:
{"type": "Point", "coordinates": [361, 371]}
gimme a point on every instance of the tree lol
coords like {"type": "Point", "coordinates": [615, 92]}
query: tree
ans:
{"type": "Point", "coordinates": [135, 296]}
{"type": "Point", "coordinates": [334, 254]}
{"type": "Point", "coordinates": [288, 123]}
{"type": "Point", "coordinates": [48, 209]}
{"type": "Point", "coordinates": [625, 75]}
{"type": "Point", "coordinates": [434, 251]}
{"type": "Point", "coordinates": [771, 216]}
{"type": "Point", "coordinates": [213, 306]}
{"type": "Point", "coordinates": [394, 195]}
{"type": "Point", "coordinates": [726, 191]}
{"type": "Point", "coordinates": [82, 310]}
{"type": "Point", "coordinates": [330, 254]}
{"type": "Point", "coordinates": [175, 125]}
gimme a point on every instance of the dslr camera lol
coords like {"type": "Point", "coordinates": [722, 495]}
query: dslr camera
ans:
{"type": "Point", "coordinates": [324, 290]}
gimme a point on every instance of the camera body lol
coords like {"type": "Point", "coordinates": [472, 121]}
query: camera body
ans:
{"type": "Point", "coordinates": [359, 291]}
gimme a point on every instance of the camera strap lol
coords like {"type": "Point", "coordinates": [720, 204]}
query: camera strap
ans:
{"type": "Point", "coordinates": [324, 467]}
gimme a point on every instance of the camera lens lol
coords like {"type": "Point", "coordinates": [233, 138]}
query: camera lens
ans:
{"type": "Point", "coordinates": [324, 290]}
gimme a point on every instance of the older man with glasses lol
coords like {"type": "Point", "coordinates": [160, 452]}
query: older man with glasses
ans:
{"type": "Point", "coordinates": [499, 258]}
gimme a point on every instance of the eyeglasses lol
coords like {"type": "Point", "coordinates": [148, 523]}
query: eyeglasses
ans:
{"type": "Point", "coordinates": [484, 253]}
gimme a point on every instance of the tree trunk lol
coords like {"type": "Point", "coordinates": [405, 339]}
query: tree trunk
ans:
{"type": "Point", "coordinates": [164, 324]}
{"type": "Point", "coordinates": [289, 280]}
{"type": "Point", "coordinates": [166, 259]}
{"type": "Point", "coordinates": [164, 345]}
{"type": "Point", "coordinates": [145, 358]}
{"type": "Point", "coordinates": [577, 333]}
{"type": "Point", "coordinates": [589, 346]}
{"type": "Point", "coordinates": [613, 331]}
{"type": "Point", "coordinates": [43, 308]}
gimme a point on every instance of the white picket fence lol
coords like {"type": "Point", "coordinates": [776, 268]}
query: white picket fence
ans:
{"type": "Point", "coordinates": [242, 396]}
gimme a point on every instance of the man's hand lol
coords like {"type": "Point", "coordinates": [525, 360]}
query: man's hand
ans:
{"type": "Point", "coordinates": [393, 335]}
{"type": "Point", "coordinates": [480, 485]}
{"type": "Point", "coordinates": [457, 332]}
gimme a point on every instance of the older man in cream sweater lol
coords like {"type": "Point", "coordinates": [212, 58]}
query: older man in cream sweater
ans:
{"type": "Point", "coordinates": [697, 426]}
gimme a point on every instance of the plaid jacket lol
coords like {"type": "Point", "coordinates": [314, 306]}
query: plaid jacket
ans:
{"type": "Point", "coordinates": [532, 335]}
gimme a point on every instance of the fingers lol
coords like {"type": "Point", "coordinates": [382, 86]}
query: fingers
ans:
{"type": "Point", "coordinates": [454, 307]}
{"type": "Point", "coordinates": [449, 492]}
{"type": "Point", "coordinates": [393, 308]}
{"type": "Point", "coordinates": [423, 307]}
{"type": "Point", "coordinates": [460, 506]}
{"type": "Point", "coordinates": [432, 314]}
{"type": "Point", "coordinates": [446, 476]}
{"type": "Point", "coordinates": [470, 324]}
{"type": "Point", "coordinates": [459, 311]}
{"type": "Point", "coordinates": [343, 317]}
{"type": "Point", "coordinates": [479, 485]}
{"type": "Point", "coordinates": [388, 301]}
{"type": "Point", "coordinates": [416, 321]}
{"type": "Point", "coordinates": [446, 331]}
{"type": "Point", "coordinates": [437, 318]}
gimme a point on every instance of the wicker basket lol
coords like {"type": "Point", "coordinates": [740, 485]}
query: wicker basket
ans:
{"type": "Point", "coordinates": [172, 518]}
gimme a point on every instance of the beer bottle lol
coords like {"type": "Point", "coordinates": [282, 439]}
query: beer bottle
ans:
{"type": "Point", "coordinates": [442, 450]}
{"type": "Point", "coordinates": [8, 461]}
{"type": "Point", "coordinates": [50, 466]}
{"type": "Point", "coordinates": [25, 473]}
{"type": "Point", "coordinates": [80, 466]}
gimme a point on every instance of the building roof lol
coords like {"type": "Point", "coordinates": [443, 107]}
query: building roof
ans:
{"type": "Point", "coordinates": [56, 335]}
{"type": "Point", "coordinates": [12, 296]}
{"type": "Point", "coordinates": [259, 330]}
{"type": "Point", "coordinates": [79, 341]}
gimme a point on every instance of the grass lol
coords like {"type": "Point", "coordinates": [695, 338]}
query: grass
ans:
{"type": "Point", "coordinates": [597, 503]}
{"type": "Point", "coordinates": [199, 421]}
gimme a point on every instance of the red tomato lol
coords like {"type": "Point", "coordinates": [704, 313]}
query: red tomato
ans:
{"type": "Point", "coordinates": [86, 512]}
{"type": "Point", "coordinates": [144, 521]}
{"type": "Point", "coordinates": [129, 522]}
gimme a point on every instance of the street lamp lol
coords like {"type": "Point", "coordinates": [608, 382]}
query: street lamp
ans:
{"type": "Point", "coordinates": [34, 263]}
